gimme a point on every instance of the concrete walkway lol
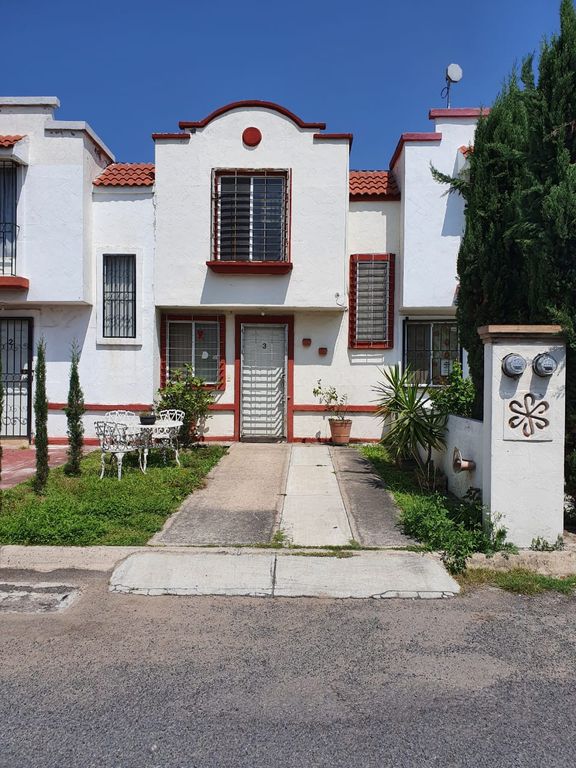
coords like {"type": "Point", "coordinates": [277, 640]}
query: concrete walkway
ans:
{"type": "Point", "coordinates": [314, 514]}
{"type": "Point", "coordinates": [284, 574]}
{"type": "Point", "coordinates": [240, 504]}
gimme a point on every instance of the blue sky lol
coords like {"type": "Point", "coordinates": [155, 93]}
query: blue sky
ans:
{"type": "Point", "coordinates": [372, 68]}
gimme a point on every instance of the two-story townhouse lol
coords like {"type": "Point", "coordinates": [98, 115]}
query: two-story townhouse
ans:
{"type": "Point", "coordinates": [248, 249]}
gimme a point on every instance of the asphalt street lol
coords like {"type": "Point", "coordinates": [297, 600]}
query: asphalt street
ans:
{"type": "Point", "coordinates": [115, 681]}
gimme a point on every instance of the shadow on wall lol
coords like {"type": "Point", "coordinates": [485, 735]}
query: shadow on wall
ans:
{"type": "Point", "coordinates": [243, 289]}
{"type": "Point", "coordinates": [453, 224]}
{"type": "Point", "coordinates": [60, 328]}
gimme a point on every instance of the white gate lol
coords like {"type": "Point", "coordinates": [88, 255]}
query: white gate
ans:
{"type": "Point", "coordinates": [263, 380]}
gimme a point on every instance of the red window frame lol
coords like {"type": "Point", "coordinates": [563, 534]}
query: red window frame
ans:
{"type": "Point", "coordinates": [251, 267]}
{"type": "Point", "coordinates": [353, 343]}
{"type": "Point", "coordinates": [220, 386]}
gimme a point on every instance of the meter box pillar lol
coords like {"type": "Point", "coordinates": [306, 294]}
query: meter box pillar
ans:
{"type": "Point", "coordinates": [523, 434]}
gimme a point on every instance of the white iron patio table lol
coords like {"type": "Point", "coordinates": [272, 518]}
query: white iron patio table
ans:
{"type": "Point", "coordinates": [163, 431]}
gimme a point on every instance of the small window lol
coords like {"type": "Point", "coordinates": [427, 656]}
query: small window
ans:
{"type": "Point", "coordinates": [251, 216]}
{"type": "Point", "coordinates": [195, 343]}
{"type": "Point", "coordinates": [119, 296]}
{"type": "Point", "coordinates": [372, 301]}
{"type": "Point", "coordinates": [8, 226]}
{"type": "Point", "coordinates": [431, 349]}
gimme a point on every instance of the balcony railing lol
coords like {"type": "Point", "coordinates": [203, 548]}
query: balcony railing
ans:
{"type": "Point", "coordinates": [8, 237]}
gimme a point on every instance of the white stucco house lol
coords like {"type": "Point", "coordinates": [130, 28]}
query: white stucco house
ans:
{"type": "Point", "coordinates": [248, 249]}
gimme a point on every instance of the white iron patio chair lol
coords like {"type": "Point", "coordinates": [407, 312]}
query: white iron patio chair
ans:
{"type": "Point", "coordinates": [122, 417]}
{"type": "Point", "coordinates": [167, 436]}
{"type": "Point", "coordinates": [114, 440]}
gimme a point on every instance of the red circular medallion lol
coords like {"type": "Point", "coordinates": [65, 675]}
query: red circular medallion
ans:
{"type": "Point", "coordinates": [251, 137]}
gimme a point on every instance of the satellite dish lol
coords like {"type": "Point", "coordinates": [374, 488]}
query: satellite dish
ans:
{"type": "Point", "coordinates": [454, 73]}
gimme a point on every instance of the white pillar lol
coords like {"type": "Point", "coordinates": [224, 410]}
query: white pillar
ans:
{"type": "Point", "coordinates": [523, 440]}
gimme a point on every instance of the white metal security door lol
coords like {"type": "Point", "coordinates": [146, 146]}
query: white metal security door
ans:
{"type": "Point", "coordinates": [263, 397]}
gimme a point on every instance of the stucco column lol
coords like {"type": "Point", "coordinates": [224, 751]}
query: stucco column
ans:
{"type": "Point", "coordinates": [523, 437]}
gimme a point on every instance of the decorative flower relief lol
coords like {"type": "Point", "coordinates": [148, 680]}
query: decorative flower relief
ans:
{"type": "Point", "coordinates": [529, 415]}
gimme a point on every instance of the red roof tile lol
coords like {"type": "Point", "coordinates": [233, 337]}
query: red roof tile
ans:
{"type": "Point", "coordinates": [373, 185]}
{"type": "Point", "coordinates": [466, 151]}
{"type": "Point", "coordinates": [9, 141]}
{"type": "Point", "coordinates": [126, 175]}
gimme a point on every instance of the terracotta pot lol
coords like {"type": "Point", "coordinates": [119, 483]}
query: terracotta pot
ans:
{"type": "Point", "coordinates": [340, 431]}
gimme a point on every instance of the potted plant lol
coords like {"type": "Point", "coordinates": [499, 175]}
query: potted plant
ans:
{"type": "Point", "coordinates": [337, 405]}
{"type": "Point", "coordinates": [147, 417]}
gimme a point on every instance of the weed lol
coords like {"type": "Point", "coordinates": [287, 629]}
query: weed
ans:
{"type": "Point", "coordinates": [542, 545]}
{"type": "Point", "coordinates": [341, 553]}
{"type": "Point", "coordinates": [452, 527]}
{"type": "Point", "coordinates": [518, 580]}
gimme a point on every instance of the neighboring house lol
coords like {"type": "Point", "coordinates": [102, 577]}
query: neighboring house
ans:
{"type": "Point", "coordinates": [248, 249]}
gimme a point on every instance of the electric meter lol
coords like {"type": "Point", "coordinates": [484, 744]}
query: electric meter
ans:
{"type": "Point", "coordinates": [513, 365]}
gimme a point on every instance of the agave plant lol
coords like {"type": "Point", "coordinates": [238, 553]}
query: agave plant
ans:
{"type": "Point", "coordinates": [413, 423]}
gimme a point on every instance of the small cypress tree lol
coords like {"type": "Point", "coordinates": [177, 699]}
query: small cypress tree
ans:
{"type": "Point", "coordinates": [74, 411]}
{"type": "Point", "coordinates": [41, 420]}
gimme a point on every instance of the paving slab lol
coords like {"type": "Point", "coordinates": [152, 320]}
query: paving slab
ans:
{"type": "Point", "coordinates": [314, 514]}
{"type": "Point", "coordinates": [188, 573]}
{"type": "Point", "coordinates": [240, 503]}
{"type": "Point", "coordinates": [367, 574]}
{"type": "Point", "coordinates": [283, 574]}
{"type": "Point", "coordinates": [371, 509]}
{"type": "Point", "coordinates": [315, 521]}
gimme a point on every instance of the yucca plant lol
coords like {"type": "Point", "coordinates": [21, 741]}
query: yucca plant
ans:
{"type": "Point", "coordinates": [412, 421]}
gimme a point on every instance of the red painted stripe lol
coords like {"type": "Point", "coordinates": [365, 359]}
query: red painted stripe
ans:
{"type": "Point", "coordinates": [409, 137]}
{"type": "Point", "coordinates": [64, 441]}
{"type": "Point", "coordinates": [349, 137]}
{"type": "Point", "coordinates": [172, 136]}
{"type": "Point", "coordinates": [105, 406]}
{"type": "Point", "coordinates": [323, 409]}
{"type": "Point", "coordinates": [228, 407]}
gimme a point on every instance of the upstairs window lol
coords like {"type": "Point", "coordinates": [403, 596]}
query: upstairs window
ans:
{"type": "Point", "coordinates": [371, 313]}
{"type": "Point", "coordinates": [8, 227]}
{"type": "Point", "coordinates": [251, 216]}
{"type": "Point", "coordinates": [431, 349]}
{"type": "Point", "coordinates": [119, 296]}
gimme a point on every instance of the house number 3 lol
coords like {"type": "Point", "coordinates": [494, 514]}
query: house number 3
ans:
{"type": "Point", "coordinates": [264, 345]}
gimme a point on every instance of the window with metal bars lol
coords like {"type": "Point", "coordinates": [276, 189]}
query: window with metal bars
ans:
{"type": "Point", "coordinates": [8, 226]}
{"type": "Point", "coordinates": [431, 349]}
{"type": "Point", "coordinates": [119, 296]}
{"type": "Point", "coordinates": [195, 343]}
{"type": "Point", "coordinates": [371, 314]}
{"type": "Point", "coordinates": [251, 215]}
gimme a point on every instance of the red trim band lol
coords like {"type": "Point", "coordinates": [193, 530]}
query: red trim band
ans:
{"type": "Point", "coordinates": [64, 441]}
{"type": "Point", "coordinates": [349, 137]}
{"type": "Point", "coordinates": [410, 137]}
{"type": "Point", "coordinates": [13, 283]}
{"type": "Point", "coordinates": [247, 105]}
{"type": "Point", "coordinates": [433, 114]}
{"type": "Point", "coordinates": [323, 409]}
{"type": "Point", "coordinates": [250, 267]}
{"type": "Point", "coordinates": [105, 406]}
{"type": "Point", "coordinates": [171, 136]}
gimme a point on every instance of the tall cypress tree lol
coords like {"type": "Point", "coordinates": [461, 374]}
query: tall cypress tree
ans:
{"type": "Point", "coordinates": [41, 420]}
{"type": "Point", "coordinates": [74, 411]}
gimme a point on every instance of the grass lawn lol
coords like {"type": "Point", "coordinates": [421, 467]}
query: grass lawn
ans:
{"type": "Point", "coordinates": [80, 511]}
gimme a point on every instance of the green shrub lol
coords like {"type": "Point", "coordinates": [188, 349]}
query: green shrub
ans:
{"type": "Point", "coordinates": [457, 397]}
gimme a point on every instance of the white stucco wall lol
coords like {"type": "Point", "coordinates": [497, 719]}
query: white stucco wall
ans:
{"type": "Point", "coordinates": [432, 221]}
{"type": "Point", "coordinates": [54, 207]}
{"type": "Point", "coordinates": [467, 436]}
{"type": "Point", "coordinates": [319, 204]}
